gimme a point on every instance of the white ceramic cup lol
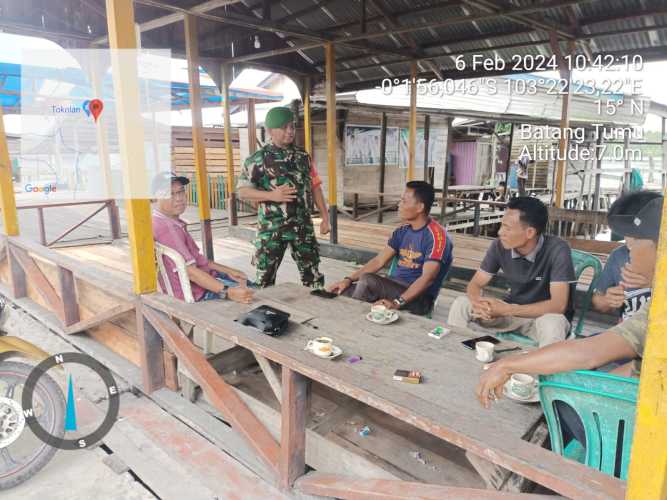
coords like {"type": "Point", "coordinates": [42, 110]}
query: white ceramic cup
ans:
{"type": "Point", "coordinates": [379, 312]}
{"type": "Point", "coordinates": [523, 385]}
{"type": "Point", "coordinates": [321, 346]}
{"type": "Point", "coordinates": [484, 351]}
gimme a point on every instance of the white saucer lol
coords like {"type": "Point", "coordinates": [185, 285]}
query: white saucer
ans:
{"type": "Point", "coordinates": [335, 352]}
{"type": "Point", "coordinates": [386, 321]}
{"type": "Point", "coordinates": [535, 398]}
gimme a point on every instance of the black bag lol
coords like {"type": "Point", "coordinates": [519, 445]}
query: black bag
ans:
{"type": "Point", "coordinates": [266, 319]}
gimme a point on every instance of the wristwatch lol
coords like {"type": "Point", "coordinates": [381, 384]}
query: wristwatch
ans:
{"type": "Point", "coordinates": [400, 302]}
{"type": "Point", "coordinates": [224, 292]}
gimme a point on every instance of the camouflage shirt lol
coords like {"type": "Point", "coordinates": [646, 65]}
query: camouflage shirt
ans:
{"type": "Point", "coordinates": [270, 167]}
{"type": "Point", "coordinates": [634, 331]}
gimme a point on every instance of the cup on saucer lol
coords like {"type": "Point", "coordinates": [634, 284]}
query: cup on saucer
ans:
{"type": "Point", "coordinates": [484, 351]}
{"type": "Point", "coordinates": [522, 385]}
{"type": "Point", "coordinates": [321, 346]}
{"type": "Point", "coordinates": [380, 312]}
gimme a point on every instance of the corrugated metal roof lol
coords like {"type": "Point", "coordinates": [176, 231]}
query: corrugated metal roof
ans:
{"type": "Point", "coordinates": [435, 26]}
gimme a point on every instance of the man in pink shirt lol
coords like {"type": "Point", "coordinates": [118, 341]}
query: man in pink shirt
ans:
{"type": "Point", "coordinates": [208, 279]}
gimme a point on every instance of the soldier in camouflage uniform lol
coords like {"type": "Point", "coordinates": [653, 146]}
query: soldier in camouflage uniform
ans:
{"type": "Point", "coordinates": [281, 177]}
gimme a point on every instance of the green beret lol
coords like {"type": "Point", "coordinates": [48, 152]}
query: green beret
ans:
{"type": "Point", "coordinates": [278, 117]}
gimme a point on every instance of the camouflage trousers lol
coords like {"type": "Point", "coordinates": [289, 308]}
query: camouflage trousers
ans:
{"type": "Point", "coordinates": [270, 248]}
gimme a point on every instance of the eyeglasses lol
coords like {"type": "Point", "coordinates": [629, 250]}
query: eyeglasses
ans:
{"type": "Point", "coordinates": [178, 193]}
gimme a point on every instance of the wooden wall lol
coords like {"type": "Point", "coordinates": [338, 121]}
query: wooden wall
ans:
{"type": "Point", "coordinates": [216, 161]}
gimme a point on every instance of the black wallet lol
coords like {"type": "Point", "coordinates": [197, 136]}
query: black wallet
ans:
{"type": "Point", "coordinates": [266, 319]}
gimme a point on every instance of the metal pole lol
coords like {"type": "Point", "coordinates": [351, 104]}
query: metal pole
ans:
{"type": "Point", "coordinates": [7, 199]}
{"type": "Point", "coordinates": [445, 181]}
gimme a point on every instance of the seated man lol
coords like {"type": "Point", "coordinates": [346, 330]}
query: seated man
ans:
{"type": "Point", "coordinates": [424, 258]}
{"type": "Point", "coordinates": [625, 340]}
{"type": "Point", "coordinates": [540, 273]}
{"type": "Point", "coordinates": [208, 279]}
{"type": "Point", "coordinates": [620, 289]}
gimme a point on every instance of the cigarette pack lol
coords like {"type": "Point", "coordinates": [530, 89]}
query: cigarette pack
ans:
{"type": "Point", "coordinates": [438, 332]}
{"type": "Point", "coordinates": [411, 377]}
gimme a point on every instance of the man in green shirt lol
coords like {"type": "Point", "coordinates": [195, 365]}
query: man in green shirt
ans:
{"type": "Point", "coordinates": [631, 217]}
{"type": "Point", "coordinates": [281, 177]}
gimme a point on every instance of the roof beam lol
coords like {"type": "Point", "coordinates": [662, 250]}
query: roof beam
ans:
{"type": "Point", "coordinates": [273, 27]}
{"type": "Point", "coordinates": [438, 24]}
{"type": "Point", "coordinates": [406, 37]}
{"type": "Point", "coordinates": [521, 19]}
{"type": "Point", "coordinates": [174, 18]}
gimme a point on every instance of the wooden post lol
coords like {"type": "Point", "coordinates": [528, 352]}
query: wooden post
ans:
{"type": "Point", "coordinates": [445, 180]}
{"type": "Point", "coordinates": [330, 85]}
{"type": "Point", "coordinates": [664, 153]}
{"type": "Point", "coordinates": [114, 219]}
{"type": "Point", "coordinates": [198, 147]}
{"type": "Point", "coordinates": [307, 124]}
{"type": "Point", "coordinates": [229, 152]}
{"type": "Point", "coordinates": [626, 162]}
{"type": "Point", "coordinates": [120, 18]}
{"type": "Point", "coordinates": [427, 132]}
{"type": "Point", "coordinates": [70, 312]}
{"type": "Point", "coordinates": [294, 413]}
{"type": "Point", "coordinates": [40, 225]}
{"type": "Point", "coordinates": [17, 273]}
{"type": "Point", "coordinates": [101, 130]}
{"type": "Point", "coordinates": [412, 132]}
{"type": "Point", "coordinates": [151, 351]}
{"type": "Point", "coordinates": [595, 206]}
{"type": "Point", "coordinates": [252, 127]}
{"type": "Point", "coordinates": [7, 199]}
{"type": "Point", "coordinates": [647, 476]}
{"type": "Point", "coordinates": [383, 161]}
{"type": "Point", "coordinates": [560, 174]}
{"type": "Point", "coordinates": [475, 226]}
{"type": "Point", "coordinates": [509, 161]}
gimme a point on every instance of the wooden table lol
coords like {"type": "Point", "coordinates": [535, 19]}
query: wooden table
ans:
{"type": "Point", "coordinates": [444, 406]}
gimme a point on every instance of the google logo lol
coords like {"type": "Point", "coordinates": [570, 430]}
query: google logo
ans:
{"type": "Point", "coordinates": [46, 189]}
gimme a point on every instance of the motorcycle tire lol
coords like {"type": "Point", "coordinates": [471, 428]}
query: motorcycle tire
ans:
{"type": "Point", "coordinates": [53, 394]}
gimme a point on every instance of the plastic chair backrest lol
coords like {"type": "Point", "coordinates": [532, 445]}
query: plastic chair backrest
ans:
{"type": "Point", "coordinates": [162, 251]}
{"type": "Point", "coordinates": [582, 261]}
{"type": "Point", "coordinates": [606, 405]}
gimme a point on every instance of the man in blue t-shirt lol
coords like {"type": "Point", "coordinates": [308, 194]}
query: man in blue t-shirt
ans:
{"type": "Point", "coordinates": [424, 256]}
{"type": "Point", "coordinates": [620, 289]}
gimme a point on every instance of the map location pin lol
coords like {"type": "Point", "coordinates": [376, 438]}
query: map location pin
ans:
{"type": "Point", "coordinates": [96, 106]}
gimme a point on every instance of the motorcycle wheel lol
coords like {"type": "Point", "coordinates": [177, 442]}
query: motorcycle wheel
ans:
{"type": "Point", "coordinates": [12, 429]}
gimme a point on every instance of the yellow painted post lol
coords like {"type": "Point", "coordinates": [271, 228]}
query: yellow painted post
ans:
{"type": "Point", "coordinates": [7, 199]}
{"type": "Point", "coordinates": [412, 133]}
{"type": "Point", "coordinates": [647, 478]}
{"type": "Point", "coordinates": [229, 151]}
{"type": "Point", "coordinates": [120, 19]}
{"type": "Point", "coordinates": [198, 147]}
{"type": "Point", "coordinates": [330, 84]}
{"type": "Point", "coordinates": [307, 125]}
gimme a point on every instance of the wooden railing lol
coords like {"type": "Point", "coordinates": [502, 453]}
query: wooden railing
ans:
{"type": "Point", "coordinates": [110, 205]}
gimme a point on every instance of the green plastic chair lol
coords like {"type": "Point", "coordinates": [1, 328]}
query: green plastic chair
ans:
{"type": "Point", "coordinates": [581, 261]}
{"type": "Point", "coordinates": [606, 405]}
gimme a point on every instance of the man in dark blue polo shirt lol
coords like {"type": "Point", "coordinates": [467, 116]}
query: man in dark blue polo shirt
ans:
{"type": "Point", "coordinates": [424, 255]}
{"type": "Point", "coordinates": [539, 270]}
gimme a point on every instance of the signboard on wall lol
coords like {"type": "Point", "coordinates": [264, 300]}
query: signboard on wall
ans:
{"type": "Point", "coordinates": [362, 145]}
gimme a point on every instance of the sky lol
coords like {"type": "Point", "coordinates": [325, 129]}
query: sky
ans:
{"type": "Point", "coordinates": [651, 80]}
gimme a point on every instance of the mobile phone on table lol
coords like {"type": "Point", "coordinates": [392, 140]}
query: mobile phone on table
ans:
{"type": "Point", "coordinates": [470, 343]}
{"type": "Point", "coordinates": [321, 292]}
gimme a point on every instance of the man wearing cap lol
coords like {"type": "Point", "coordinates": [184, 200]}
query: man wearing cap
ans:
{"type": "Point", "coordinates": [619, 289]}
{"type": "Point", "coordinates": [208, 279]}
{"type": "Point", "coordinates": [639, 222]}
{"type": "Point", "coordinates": [281, 177]}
